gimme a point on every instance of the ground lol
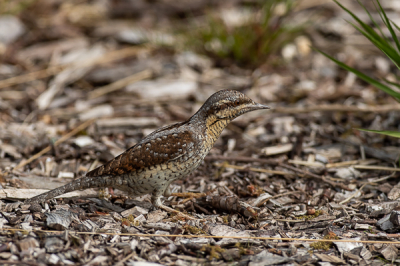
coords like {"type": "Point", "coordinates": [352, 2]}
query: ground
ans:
{"type": "Point", "coordinates": [82, 81]}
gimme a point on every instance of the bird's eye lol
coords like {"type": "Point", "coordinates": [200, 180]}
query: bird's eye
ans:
{"type": "Point", "coordinates": [237, 102]}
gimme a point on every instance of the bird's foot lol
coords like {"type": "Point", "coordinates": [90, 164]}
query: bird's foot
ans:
{"type": "Point", "coordinates": [168, 209]}
{"type": "Point", "coordinates": [156, 200]}
{"type": "Point", "coordinates": [188, 195]}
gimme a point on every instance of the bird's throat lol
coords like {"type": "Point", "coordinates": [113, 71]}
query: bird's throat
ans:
{"type": "Point", "coordinates": [214, 127]}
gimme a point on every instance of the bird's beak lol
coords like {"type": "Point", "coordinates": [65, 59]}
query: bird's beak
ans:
{"type": "Point", "coordinates": [258, 106]}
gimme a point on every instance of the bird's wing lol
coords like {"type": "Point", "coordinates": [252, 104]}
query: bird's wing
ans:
{"type": "Point", "coordinates": [157, 148]}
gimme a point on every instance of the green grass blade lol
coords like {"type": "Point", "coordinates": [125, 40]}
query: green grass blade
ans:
{"type": "Point", "coordinates": [372, 19]}
{"type": "Point", "coordinates": [365, 26]}
{"type": "Point", "coordinates": [389, 26]}
{"type": "Point", "coordinates": [396, 84]}
{"type": "Point", "coordinates": [382, 45]}
{"type": "Point", "coordinates": [395, 134]}
{"type": "Point", "coordinates": [364, 77]}
{"type": "Point", "coordinates": [397, 27]}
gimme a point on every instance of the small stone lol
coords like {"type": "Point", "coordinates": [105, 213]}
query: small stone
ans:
{"type": "Point", "coordinates": [83, 141]}
{"type": "Point", "coordinates": [365, 254]}
{"type": "Point", "coordinates": [347, 173]}
{"type": "Point", "coordinates": [390, 252]}
{"type": "Point", "coordinates": [303, 45]}
{"type": "Point", "coordinates": [140, 218]}
{"type": "Point", "coordinates": [53, 259]}
{"type": "Point", "coordinates": [395, 217]}
{"type": "Point", "coordinates": [385, 223]}
{"type": "Point", "coordinates": [377, 209]}
{"type": "Point", "coordinates": [11, 28]}
{"type": "Point", "coordinates": [27, 243]}
{"type": "Point", "coordinates": [35, 207]}
{"type": "Point", "coordinates": [362, 227]}
{"type": "Point", "coordinates": [5, 255]}
{"type": "Point", "coordinates": [394, 193]}
{"type": "Point", "coordinates": [231, 254]}
{"type": "Point", "coordinates": [135, 211]}
{"type": "Point", "coordinates": [53, 244]}
{"type": "Point", "coordinates": [382, 64]}
{"type": "Point", "coordinates": [289, 51]}
{"type": "Point", "coordinates": [26, 226]}
{"type": "Point", "coordinates": [156, 216]}
{"type": "Point", "coordinates": [65, 175]}
{"type": "Point", "coordinates": [59, 219]}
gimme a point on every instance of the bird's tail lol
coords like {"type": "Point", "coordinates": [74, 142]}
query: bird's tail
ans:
{"type": "Point", "coordinates": [80, 183]}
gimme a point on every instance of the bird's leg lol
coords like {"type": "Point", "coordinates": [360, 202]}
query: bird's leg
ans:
{"type": "Point", "coordinates": [167, 192]}
{"type": "Point", "coordinates": [156, 201]}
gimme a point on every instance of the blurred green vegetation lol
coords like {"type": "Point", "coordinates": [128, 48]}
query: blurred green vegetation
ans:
{"type": "Point", "coordinates": [14, 7]}
{"type": "Point", "coordinates": [264, 32]}
{"type": "Point", "coordinates": [390, 46]}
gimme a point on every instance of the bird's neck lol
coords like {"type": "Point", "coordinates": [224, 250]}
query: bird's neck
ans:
{"type": "Point", "coordinates": [214, 127]}
{"type": "Point", "coordinates": [211, 127]}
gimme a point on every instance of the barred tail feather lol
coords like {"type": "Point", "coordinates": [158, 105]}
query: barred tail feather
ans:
{"type": "Point", "coordinates": [78, 184]}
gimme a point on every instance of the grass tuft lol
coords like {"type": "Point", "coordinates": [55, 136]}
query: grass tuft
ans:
{"type": "Point", "coordinates": [261, 34]}
{"type": "Point", "coordinates": [389, 46]}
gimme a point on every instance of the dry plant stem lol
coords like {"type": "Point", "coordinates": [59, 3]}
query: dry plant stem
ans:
{"type": "Point", "coordinates": [121, 262]}
{"type": "Point", "coordinates": [305, 163]}
{"type": "Point", "coordinates": [367, 183]}
{"type": "Point", "coordinates": [373, 182]}
{"type": "Point", "coordinates": [354, 194]}
{"type": "Point", "coordinates": [242, 159]}
{"type": "Point", "coordinates": [350, 163]}
{"type": "Point", "coordinates": [253, 169]}
{"type": "Point", "coordinates": [278, 196]}
{"type": "Point", "coordinates": [61, 140]}
{"type": "Point", "coordinates": [168, 209]}
{"type": "Point", "coordinates": [5, 83]}
{"type": "Point", "coordinates": [111, 56]}
{"type": "Point", "coordinates": [337, 108]}
{"type": "Point", "coordinates": [290, 221]}
{"type": "Point", "coordinates": [306, 173]}
{"type": "Point", "coordinates": [207, 236]}
{"type": "Point", "coordinates": [188, 195]}
{"type": "Point", "coordinates": [373, 167]}
{"type": "Point", "coordinates": [375, 153]}
{"type": "Point", "coordinates": [13, 262]}
{"type": "Point", "coordinates": [119, 84]}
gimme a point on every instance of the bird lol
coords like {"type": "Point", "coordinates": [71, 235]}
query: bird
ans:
{"type": "Point", "coordinates": [165, 155]}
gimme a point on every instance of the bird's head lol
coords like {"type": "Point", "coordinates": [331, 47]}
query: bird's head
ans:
{"type": "Point", "coordinates": [229, 104]}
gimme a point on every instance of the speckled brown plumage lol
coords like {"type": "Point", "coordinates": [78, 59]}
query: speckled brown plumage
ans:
{"type": "Point", "coordinates": [166, 154]}
{"type": "Point", "coordinates": [152, 152]}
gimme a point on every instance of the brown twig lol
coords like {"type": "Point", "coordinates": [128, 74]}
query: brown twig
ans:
{"type": "Point", "coordinates": [13, 262]}
{"type": "Point", "coordinates": [306, 173]}
{"type": "Point", "coordinates": [275, 172]}
{"type": "Point", "coordinates": [337, 108]}
{"type": "Point", "coordinates": [376, 167]}
{"type": "Point", "coordinates": [119, 84]}
{"type": "Point", "coordinates": [207, 236]}
{"type": "Point", "coordinates": [44, 73]}
{"type": "Point", "coordinates": [278, 196]}
{"type": "Point", "coordinates": [242, 159]}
